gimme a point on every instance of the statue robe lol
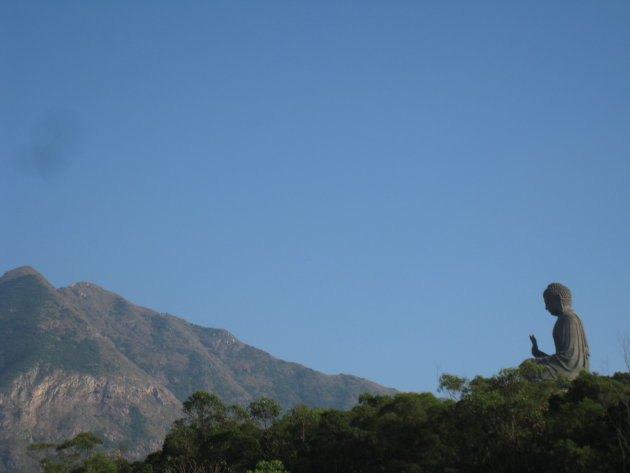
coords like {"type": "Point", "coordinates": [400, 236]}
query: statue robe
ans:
{"type": "Point", "coordinates": [572, 353]}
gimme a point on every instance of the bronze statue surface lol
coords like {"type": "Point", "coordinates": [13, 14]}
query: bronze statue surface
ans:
{"type": "Point", "coordinates": [572, 352]}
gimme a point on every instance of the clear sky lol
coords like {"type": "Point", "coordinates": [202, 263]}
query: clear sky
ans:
{"type": "Point", "coordinates": [375, 188]}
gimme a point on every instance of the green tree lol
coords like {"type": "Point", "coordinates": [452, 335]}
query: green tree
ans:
{"type": "Point", "coordinates": [273, 466]}
{"type": "Point", "coordinates": [264, 410]}
{"type": "Point", "coordinates": [497, 424]}
{"type": "Point", "coordinates": [290, 437]}
{"type": "Point", "coordinates": [589, 425]}
{"type": "Point", "coordinates": [204, 410]}
{"type": "Point", "coordinates": [81, 454]}
{"type": "Point", "coordinates": [210, 437]}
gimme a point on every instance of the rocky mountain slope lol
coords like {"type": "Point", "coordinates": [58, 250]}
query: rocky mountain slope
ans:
{"type": "Point", "coordinates": [81, 358]}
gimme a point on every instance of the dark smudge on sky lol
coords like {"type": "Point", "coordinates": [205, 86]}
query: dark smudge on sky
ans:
{"type": "Point", "coordinates": [53, 143]}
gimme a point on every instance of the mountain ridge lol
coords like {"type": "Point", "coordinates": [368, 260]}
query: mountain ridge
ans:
{"type": "Point", "coordinates": [81, 357]}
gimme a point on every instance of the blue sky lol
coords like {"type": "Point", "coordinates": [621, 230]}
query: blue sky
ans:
{"type": "Point", "coordinates": [375, 188]}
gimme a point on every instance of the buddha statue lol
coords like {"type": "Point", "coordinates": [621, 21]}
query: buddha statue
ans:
{"type": "Point", "coordinates": [572, 353]}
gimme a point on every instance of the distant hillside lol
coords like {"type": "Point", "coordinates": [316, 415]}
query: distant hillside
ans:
{"type": "Point", "coordinates": [81, 358]}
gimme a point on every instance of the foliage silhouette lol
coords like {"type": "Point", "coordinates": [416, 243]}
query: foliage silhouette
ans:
{"type": "Point", "coordinates": [496, 424]}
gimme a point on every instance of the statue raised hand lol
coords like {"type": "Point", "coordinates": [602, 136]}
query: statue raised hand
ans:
{"type": "Point", "coordinates": [535, 351]}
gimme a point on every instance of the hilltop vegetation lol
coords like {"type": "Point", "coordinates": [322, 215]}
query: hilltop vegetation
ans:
{"type": "Point", "coordinates": [499, 424]}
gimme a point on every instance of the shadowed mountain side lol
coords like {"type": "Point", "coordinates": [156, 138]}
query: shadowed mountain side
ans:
{"type": "Point", "coordinates": [187, 357]}
{"type": "Point", "coordinates": [82, 358]}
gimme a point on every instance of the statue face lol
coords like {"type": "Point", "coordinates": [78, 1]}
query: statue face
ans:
{"type": "Point", "coordinates": [553, 305]}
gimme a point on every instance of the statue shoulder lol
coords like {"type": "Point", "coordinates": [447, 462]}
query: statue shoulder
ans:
{"type": "Point", "coordinates": [567, 319]}
{"type": "Point", "coordinates": [570, 313]}
{"type": "Point", "coordinates": [570, 317]}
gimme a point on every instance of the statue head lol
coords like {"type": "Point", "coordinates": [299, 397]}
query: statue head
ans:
{"type": "Point", "coordinates": [557, 298]}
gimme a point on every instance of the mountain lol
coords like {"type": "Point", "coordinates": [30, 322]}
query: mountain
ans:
{"type": "Point", "coordinates": [81, 358]}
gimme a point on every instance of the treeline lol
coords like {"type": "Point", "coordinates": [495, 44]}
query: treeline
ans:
{"type": "Point", "coordinates": [499, 424]}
